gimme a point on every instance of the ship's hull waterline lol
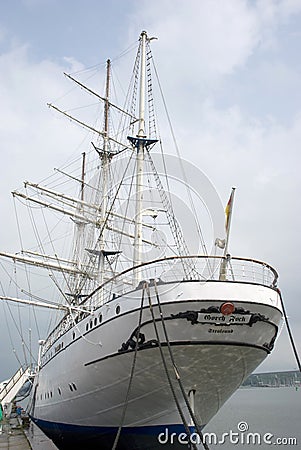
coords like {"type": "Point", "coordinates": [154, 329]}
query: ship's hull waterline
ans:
{"type": "Point", "coordinates": [79, 393]}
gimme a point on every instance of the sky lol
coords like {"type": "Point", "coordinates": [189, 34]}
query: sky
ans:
{"type": "Point", "coordinates": [230, 72]}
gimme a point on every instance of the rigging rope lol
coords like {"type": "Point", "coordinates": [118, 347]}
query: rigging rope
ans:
{"type": "Point", "coordinates": [24, 345]}
{"type": "Point", "coordinates": [8, 329]}
{"type": "Point", "coordinates": [26, 271]}
{"type": "Point", "coordinates": [177, 372]}
{"type": "Point", "coordinates": [73, 318]}
{"type": "Point", "coordinates": [131, 374]}
{"type": "Point", "coordinates": [180, 161]}
{"type": "Point", "coordinates": [109, 212]}
{"type": "Point", "coordinates": [120, 239]}
{"type": "Point", "coordinates": [292, 341]}
{"type": "Point", "coordinates": [166, 368]}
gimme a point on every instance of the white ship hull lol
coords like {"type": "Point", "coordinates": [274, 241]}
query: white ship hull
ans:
{"type": "Point", "coordinates": [80, 390]}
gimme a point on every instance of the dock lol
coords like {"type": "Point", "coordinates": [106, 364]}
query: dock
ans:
{"type": "Point", "coordinates": [13, 436]}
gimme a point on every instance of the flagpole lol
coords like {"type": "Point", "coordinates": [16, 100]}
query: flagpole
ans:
{"type": "Point", "coordinates": [228, 220]}
{"type": "Point", "coordinates": [228, 211]}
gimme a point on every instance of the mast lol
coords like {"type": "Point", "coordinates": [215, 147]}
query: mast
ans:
{"type": "Point", "coordinates": [80, 233]}
{"type": "Point", "coordinates": [105, 161]}
{"type": "Point", "coordinates": [106, 127]}
{"type": "Point", "coordinates": [83, 176]}
{"type": "Point", "coordinates": [140, 158]}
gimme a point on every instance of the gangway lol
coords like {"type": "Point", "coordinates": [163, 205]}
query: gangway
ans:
{"type": "Point", "coordinates": [12, 387]}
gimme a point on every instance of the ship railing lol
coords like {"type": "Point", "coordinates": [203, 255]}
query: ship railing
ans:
{"type": "Point", "coordinates": [175, 269]}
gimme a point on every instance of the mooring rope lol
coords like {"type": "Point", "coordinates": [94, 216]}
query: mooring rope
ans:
{"type": "Point", "coordinates": [116, 440]}
{"type": "Point", "coordinates": [191, 412]}
{"type": "Point", "coordinates": [290, 333]}
{"type": "Point", "coordinates": [178, 378]}
{"type": "Point", "coordinates": [186, 426]}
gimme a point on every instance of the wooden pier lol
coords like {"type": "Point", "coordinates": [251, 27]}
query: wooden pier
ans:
{"type": "Point", "coordinates": [13, 436]}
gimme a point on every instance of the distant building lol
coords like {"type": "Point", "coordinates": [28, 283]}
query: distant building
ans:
{"type": "Point", "coordinates": [274, 379]}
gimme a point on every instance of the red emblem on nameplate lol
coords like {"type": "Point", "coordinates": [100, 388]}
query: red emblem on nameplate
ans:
{"type": "Point", "coordinates": [227, 308]}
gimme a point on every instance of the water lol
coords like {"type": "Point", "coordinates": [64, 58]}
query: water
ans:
{"type": "Point", "coordinates": [271, 413]}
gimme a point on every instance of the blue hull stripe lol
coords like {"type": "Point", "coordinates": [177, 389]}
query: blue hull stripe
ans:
{"type": "Point", "coordinates": [66, 436]}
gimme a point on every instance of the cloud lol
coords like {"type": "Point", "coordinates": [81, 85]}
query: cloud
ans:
{"type": "Point", "coordinates": [34, 140]}
{"type": "Point", "coordinates": [26, 86]}
{"type": "Point", "coordinates": [261, 158]}
{"type": "Point", "coordinates": [191, 34]}
{"type": "Point", "coordinates": [209, 40]}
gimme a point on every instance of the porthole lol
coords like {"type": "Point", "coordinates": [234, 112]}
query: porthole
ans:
{"type": "Point", "coordinates": [74, 386]}
{"type": "Point", "coordinates": [70, 387]}
{"type": "Point", "coordinates": [100, 318]}
{"type": "Point", "coordinates": [87, 327]}
{"type": "Point", "coordinates": [73, 335]}
{"type": "Point", "coordinates": [91, 324]}
{"type": "Point", "coordinates": [117, 309]}
{"type": "Point", "coordinates": [95, 321]}
{"type": "Point", "coordinates": [59, 391]}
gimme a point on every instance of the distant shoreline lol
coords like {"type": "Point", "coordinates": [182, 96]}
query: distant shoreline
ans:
{"type": "Point", "coordinates": [291, 378]}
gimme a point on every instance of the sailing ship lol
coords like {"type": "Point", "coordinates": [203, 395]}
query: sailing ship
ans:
{"type": "Point", "coordinates": [151, 339]}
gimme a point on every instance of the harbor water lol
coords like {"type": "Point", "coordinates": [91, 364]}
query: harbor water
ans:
{"type": "Point", "coordinates": [258, 418]}
{"type": "Point", "coordinates": [253, 418]}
